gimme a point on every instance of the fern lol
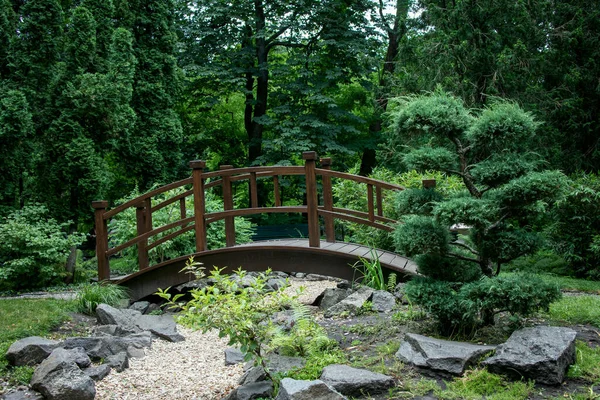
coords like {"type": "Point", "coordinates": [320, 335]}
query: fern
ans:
{"type": "Point", "coordinates": [392, 282]}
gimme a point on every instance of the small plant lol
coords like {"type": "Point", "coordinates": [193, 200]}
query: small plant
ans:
{"type": "Point", "coordinates": [372, 273]}
{"type": "Point", "coordinates": [91, 295]}
{"type": "Point", "coordinates": [587, 364]}
{"type": "Point", "coordinates": [479, 383]}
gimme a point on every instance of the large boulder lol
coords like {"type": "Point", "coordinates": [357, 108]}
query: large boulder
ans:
{"type": "Point", "coordinates": [59, 378]}
{"type": "Point", "coordinates": [542, 353]}
{"type": "Point", "coordinates": [108, 315]}
{"type": "Point", "coordinates": [30, 351]}
{"type": "Point", "coordinates": [354, 381]}
{"type": "Point", "coordinates": [350, 304]}
{"type": "Point", "coordinates": [440, 355]}
{"type": "Point", "coordinates": [332, 296]}
{"type": "Point", "coordinates": [162, 326]}
{"type": "Point", "coordinates": [292, 389]}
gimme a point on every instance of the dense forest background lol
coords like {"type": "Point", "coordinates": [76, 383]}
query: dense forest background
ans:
{"type": "Point", "coordinates": [100, 98]}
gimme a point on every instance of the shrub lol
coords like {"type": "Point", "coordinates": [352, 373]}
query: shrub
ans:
{"type": "Point", "coordinates": [33, 249]}
{"type": "Point", "coordinates": [91, 295]}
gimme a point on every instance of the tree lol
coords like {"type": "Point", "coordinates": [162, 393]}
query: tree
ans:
{"type": "Point", "coordinates": [297, 51]}
{"type": "Point", "coordinates": [507, 192]}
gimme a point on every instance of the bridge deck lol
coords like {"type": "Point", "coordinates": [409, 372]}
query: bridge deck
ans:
{"type": "Point", "coordinates": [289, 255]}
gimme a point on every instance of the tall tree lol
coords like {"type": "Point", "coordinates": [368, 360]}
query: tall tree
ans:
{"type": "Point", "coordinates": [255, 46]}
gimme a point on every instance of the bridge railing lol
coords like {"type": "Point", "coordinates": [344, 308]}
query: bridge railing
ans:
{"type": "Point", "coordinates": [201, 181]}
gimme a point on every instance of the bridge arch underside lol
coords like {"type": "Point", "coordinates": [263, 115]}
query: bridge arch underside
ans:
{"type": "Point", "coordinates": [258, 257]}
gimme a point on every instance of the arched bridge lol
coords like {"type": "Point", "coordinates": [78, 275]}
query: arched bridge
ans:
{"type": "Point", "coordinates": [312, 255]}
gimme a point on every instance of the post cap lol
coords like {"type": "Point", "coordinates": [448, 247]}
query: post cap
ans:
{"type": "Point", "coordinates": [197, 164]}
{"type": "Point", "coordinates": [99, 204]}
{"type": "Point", "coordinates": [309, 155]}
{"type": "Point", "coordinates": [325, 161]}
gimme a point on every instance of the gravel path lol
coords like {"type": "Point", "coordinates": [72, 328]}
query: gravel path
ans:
{"type": "Point", "coordinates": [192, 369]}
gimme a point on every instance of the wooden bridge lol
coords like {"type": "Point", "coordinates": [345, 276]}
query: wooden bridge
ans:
{"type": "Point", "coordinates": [312, 255]}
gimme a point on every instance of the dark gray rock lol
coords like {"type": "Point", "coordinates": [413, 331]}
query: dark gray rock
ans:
{"type": "Point", "coordinates": [162, 326]}
{"type": "Point", "coordinates": [97, 372]}
{"type": "Point", "coordinates": [383, 301]}
{"type": "Point", "coordinates": [284, 319]}
{"type": "Point", "coordinates": [350, 304]}
{"type": "Point", "coordinates": [399, 293]}
{"type": "Point", "coordinates": [197, 284]}
{"type": "Point", "coordinates": [152, 308]}
{"type": "Point", "coordinates": [440, 355]}
{"type": "Point", "coordinates": [276, 363]}
{"type": "Point", "coordinates": [254, 374]}
{"type": "Point", "coordinates": [30, 351]}
{"type": "Point", "coordinates": [80, 357]}
{"type": "Point", "coordinates": [252, 391]}
{"type": "Point", "coordinates": [355, 382]}
{"type": "Point", "coordinates": [276, 283]}
{"type": "Point", "coordinates": [542, 353]}
{"type": "Point", "coordinates": [59, 378]}
{"type": "Point", "coordinates": [292, 389]}
{"type": "Point", "coordinates": [140, 306]}
{"type": "Point", "coordinates": [104, 346]}
{"type": "Point", "coordinates": [22, 393]}
{"type": "Point", "coordinates": [344, 285]}
{"type": "Point", "coordinates": [119, 362]}
{"type": "Point", "coordinates": [125, 318]}
{"type": "Point", "coordinates": [332, 296]}
{"type": "Point", "coordinates": [113, 330]}
{"type": "Point", "coordinates": [233, 356]}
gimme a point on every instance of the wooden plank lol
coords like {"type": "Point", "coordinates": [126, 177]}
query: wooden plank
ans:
{"type": "Point", "coordinates": [361, 251]}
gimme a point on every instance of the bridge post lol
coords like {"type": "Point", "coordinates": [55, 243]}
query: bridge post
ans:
{"type": "Point", "coordinates": [228, 205]}
{"type": "Point", "coordinates": [199, 203]}
{"type": "Point", "coordinates": [312, 201]}
{"type": "Point", "coordinates": [328, 201]}
{"type": "Point", "coordinates": [101, 239]}
{"type": "Point", "coordinates": [141, 214]}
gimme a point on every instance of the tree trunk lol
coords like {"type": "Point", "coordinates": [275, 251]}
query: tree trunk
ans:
{"type": "Point", "coordinates": [262, 86]}
{"type": "Point", "coordinates": [395, 34]}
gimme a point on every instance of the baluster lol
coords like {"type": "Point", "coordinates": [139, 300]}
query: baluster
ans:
{"type": "Point", "coordinates": [253, 191]}
{"type": "Point", "coordinates": [276, 191]}
{"type": "Point", "coordinates": [379, 200]}
{"type": "Point", "coordinates": [199, 204]}
{"type": "Point", "coordinates": [328, 201]}
{"type": "Point", "coordinates": [101, 239]}
{"type": "Point", "coordinates": [370, 202]}
{"type": "Point", "coordinates": [142, 227]}
{"type": "Point", "coordinates": [228, 205]}
{"type": "Point", "coordinates": [312, 204]}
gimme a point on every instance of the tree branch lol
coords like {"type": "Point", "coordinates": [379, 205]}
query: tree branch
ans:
{"type": "Point", "coordinates": [458, 256]}
{"type": "Point", "coordinates": [495, 224]}
{"type": "Point", "coordinates": [286, 44]}
{"type": "Point", "coordinates": [464, 246]}
{"type": "Point", "coordinates": [383, 21]}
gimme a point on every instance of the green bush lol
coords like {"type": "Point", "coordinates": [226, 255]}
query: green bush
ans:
{"type": "Point", "coordinates": [33, 249]}
{"type": "Point", "coordinates": [462, 308]}
{"type": "Point", "coordinates": [123, 227]}
{"type": "Point", "coordinates": [91, 295]}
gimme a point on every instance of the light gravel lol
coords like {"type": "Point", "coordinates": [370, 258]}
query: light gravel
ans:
{"type": "Point", "coordinates": [192, 369]}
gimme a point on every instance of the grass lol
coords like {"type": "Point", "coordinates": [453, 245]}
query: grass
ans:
{"type": "Point", "coordinates": [587, 366]}
{"type": "Point", "coordinates": [576, 310]}
{"type": "Point", "coordinates": [93, 294]}
{"type": "Point", "coordinates": [28, 317]}
{"type": "Point", "coordinates": [479, 383]}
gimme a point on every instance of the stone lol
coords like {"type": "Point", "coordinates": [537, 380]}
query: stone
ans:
{"type": "Point", "coordinates": [399, 293]}
{"type": "Point", "coordinates": [542, 353]}
{"type": "Point", "coordinates": [113, 330]}
{"type": "Point", "coordinates": [23, 394]}
{"type": "Point", "coordinates": [162, 326]}
{"type": "Point", "coordinates": [233, 356]}
{"type": "Point", "coordinates": [30, 351]}
{"type": "Point", "coordinates": [292, 389]}
{"type": "Point", "coordinates": [97, 372]}
{"type": "Point", "coordinates": [119, 361]}
{"type": "Point", "coordinates": [80, 357]}
{"type": "Point", "coordinates": [104, 346]}
{"type": "Point", "coordinates": [276, 283]}
{"type": "Point", "coordinates": [440, 355]}
{"type": "Point", "coordinates": [284, 319]}
{"type": "Point", "coordinates": [383, 301]}
{"type": "Point", "coordinates": [332, 296]}
{"type": "Point", "coordinates": [140, 306]}
{"type": "Point", "coordinates": [350, 304]}
{"type": "Point", "coordinates": [59, 378]}
{"type": "Point", "coordinates": [197, 284]}
{"type": "Point", "coordinates": [354, 381]}
{"type": "Point", "coordinates": [108, 315]}
{"type": "Point", "coordinates": [276, 363]}
{"type": "Point", "coordinates": [344, 285]}
{"type": "Point", "coordinates": [254, 374]}
{"type": "Point", "coordinates": [251, 391]}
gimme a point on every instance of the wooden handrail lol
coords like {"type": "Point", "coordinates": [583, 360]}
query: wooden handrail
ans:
{"type": "Point", "coordinates": [224, 178]}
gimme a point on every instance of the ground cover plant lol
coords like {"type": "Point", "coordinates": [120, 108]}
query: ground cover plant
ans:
{"type": "Point", "coordinates": [89, 296]}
